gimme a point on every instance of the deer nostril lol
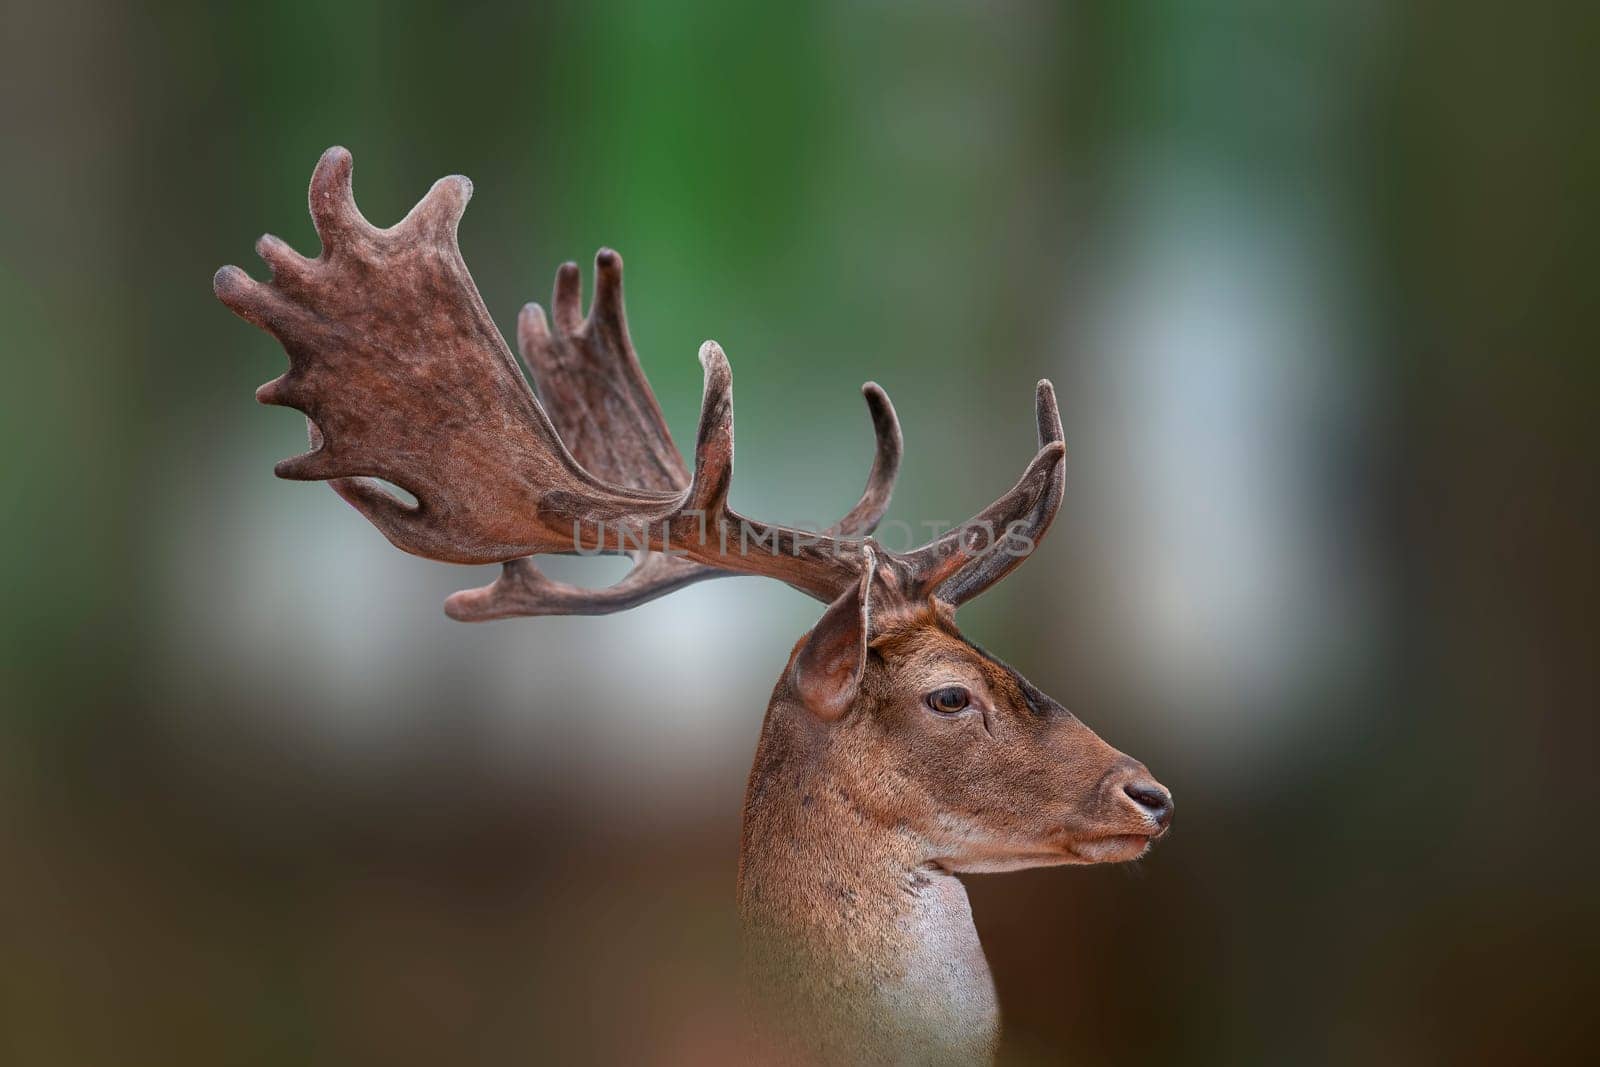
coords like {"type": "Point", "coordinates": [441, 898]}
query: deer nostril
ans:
{"type": "Point", "coordinates": [1152, 799]}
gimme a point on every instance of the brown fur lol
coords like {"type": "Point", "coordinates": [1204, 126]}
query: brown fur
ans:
{"type": "Point", "coordinates": [861, 946]}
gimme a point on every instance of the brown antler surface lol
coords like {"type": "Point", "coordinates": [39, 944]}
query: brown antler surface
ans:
{"type": "Point", "coordinates": [970, 559]}
{"type": "Point", "coordinates": [403, 377]}
{"type": "Point", "coordinates": [590, 383]}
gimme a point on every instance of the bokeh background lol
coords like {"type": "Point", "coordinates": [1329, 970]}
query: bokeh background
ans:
{"type": "Point", "coordinates": [1315, 283]}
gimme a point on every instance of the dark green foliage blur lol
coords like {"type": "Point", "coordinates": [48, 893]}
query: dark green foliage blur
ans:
{"type": "Point", "coordinates": [1314, 282]}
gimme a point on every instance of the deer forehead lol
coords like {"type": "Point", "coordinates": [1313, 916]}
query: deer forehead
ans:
{"type": "Point", "coordinates": [927, 655]}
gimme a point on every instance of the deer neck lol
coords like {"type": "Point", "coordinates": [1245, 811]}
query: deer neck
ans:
{"type": "Point", "coordinates": [854, 941]}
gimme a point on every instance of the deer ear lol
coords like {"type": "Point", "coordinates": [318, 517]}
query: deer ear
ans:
{"type": "Point", "coordinates": [828, 667]}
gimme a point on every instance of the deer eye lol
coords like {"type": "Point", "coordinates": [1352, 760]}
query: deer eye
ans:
{"type": "Point", "coordinates": [949, 700]}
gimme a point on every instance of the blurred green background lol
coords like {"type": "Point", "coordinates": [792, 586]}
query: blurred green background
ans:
{"type": "Point", "coordinates": [1309, 278]}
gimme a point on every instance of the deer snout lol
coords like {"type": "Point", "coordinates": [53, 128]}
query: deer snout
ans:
{"type": "Point", "coordinates": [1151, 797]}
{"type": "Point", "coordinates": [1148, 796]}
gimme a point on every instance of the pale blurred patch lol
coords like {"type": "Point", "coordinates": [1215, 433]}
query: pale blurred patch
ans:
{"type": "Point", "coordinates": [281, 590]}
{"type": "Point", "coordinates": [1224, 399]}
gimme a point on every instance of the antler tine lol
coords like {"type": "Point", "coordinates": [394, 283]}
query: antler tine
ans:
{"type": "Point", "coordinates": [968, 560]}
{"type": "Point", "coordinates": [333, 202]}
{"type": "Point", "coordinates": [862, 519]}
{"type": "Point", "coordinates": [713, 446]}
{"type": "Point", "coordinates": [566, 299]}
{"type": "Point", "coordinates": [1047, 413]}
{"type": "Point", "coordinates": [820, 564]}
{"type": "Point", "coordinates": [713, 469]}
{"type": "Point", "coordinates": [524, 590]}
{"type": "Point", "coordinates": [606, 313]}
{"type": "Point", "coordinates": [439, 212]}
{"type": "Point", "coordinates": [290, 270]}
{"type": "Point", "coordinates": [590, 381]}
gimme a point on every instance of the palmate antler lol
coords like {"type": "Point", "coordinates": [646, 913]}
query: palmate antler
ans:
{"type": "Point", "coordinates": [589, 378]}
{"type": "Point", "coordinates": [403, 377]}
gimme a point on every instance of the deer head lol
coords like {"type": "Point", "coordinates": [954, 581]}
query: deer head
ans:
{"type": "Point", "coordinates": [402, 376]}
{"type": "Point", "coordinates": [936, 736]}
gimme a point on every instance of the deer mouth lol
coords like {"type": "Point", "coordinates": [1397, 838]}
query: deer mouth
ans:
{"type": "Point", "coordinates": [1112, 848]}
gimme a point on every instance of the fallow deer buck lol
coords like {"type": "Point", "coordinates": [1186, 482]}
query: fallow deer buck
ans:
{"type": "Point", "coordinates": [895, 753]}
